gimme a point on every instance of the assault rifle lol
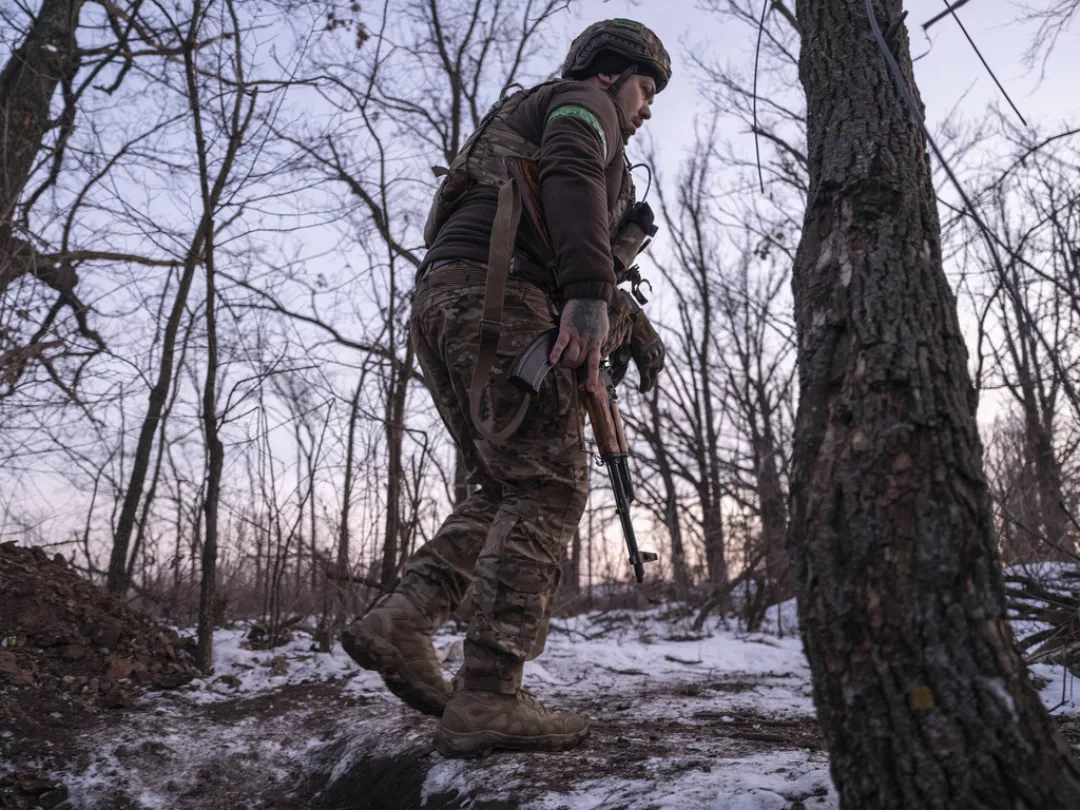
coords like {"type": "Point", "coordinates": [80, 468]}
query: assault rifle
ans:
{"type": "Point", "coordinates": [528, 372]}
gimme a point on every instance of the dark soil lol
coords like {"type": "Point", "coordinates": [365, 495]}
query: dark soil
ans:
{"type": "Point", "coordinates": [387, 782]}
{"type": "Point", "coordinates": [68, 652]}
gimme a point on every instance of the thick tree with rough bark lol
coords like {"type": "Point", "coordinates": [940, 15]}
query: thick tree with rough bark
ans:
{"type": "Point", "coordinates": [920, 691]}
{"type": "Point", "coordinates": [47, 58]}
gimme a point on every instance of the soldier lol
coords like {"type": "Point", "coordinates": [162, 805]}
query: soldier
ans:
{"type": "Point", "coordinates": [486, 288]}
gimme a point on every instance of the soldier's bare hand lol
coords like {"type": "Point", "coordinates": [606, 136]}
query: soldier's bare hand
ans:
{"type": "Point", "coordinates": [583, 326]}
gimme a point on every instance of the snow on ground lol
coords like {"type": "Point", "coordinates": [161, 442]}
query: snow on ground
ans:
{"type": "Point", "coordinates": [644, 682]}
{"type": "Point", "coordinates": [254, 671]}
{"type": "Point", "coordinates": [775, 781]}
{"type": "Point", "coordinates": [647, 654]}
{"type": "Point", "coordinates": [679, 720]}
{"type": "Point", "coordinates": [1059, 689]}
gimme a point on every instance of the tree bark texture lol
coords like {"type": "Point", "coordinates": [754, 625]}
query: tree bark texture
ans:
{"type": "Point", "coordinates": [28, 81]}
{"type": "Point", "coordinates": [919, 689]}
{"type": "Point", "coordinates": [711, 491]}
{"type": "Point", "coordinates": [215, 456]}
{"type": "Point", "coordinates": [713, 530]}
{"type": "Point", "coordinates": [215, 450]}
{"type": "Point", "coordinates": [341, 566]}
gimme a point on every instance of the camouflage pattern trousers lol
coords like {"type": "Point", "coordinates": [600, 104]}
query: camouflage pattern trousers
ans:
{"type": "Point", "coordinates": [506, 539]}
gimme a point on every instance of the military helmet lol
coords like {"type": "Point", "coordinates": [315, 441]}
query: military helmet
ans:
{"type": "Point", "coordinates": [626, 38]}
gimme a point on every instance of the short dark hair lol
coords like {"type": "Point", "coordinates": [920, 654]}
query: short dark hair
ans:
{"type": "Point", "coordinates": [609, 63]}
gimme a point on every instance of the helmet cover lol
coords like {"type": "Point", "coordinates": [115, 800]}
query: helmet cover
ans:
{"type": "Point", "coordinates": [627, 38]}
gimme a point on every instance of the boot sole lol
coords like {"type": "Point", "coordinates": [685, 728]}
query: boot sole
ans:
{"type": "Point", "coordinates": [482, 743]}
{"type": "Point", "coordinates": [374, 653]}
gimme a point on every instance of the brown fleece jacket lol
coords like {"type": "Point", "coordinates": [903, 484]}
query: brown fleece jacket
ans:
{"type": "Point", "coordinates": [580, 186]}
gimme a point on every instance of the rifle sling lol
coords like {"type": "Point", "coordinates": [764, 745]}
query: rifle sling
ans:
{"type": "Point", "coordinates": [501, 250]}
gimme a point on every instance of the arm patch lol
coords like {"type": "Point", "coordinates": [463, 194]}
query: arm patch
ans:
{"type": "Point", "coordinates": [579, 112]}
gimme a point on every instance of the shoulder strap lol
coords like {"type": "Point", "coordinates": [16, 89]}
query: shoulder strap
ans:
{"type": "Point", "coordinates": [503, 235]}
{"type": "Point", "coordinates": [513, 100]}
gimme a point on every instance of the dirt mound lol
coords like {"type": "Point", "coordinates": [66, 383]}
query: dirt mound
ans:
{"type": "Point", "coordinates": [69, 650]}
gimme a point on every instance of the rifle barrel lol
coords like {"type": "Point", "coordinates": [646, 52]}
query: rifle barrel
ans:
{"type": "Point", "coordinates": [624, 494]}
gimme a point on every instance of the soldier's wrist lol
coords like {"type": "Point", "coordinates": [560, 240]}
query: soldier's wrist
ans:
{"type": "Point", "coordinates": [588, 289]}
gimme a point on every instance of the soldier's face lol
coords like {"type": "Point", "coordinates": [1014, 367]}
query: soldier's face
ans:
{"type": "Point", "coordinates": [635, 99]}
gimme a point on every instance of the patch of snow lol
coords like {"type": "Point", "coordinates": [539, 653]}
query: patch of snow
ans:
{"type": "Point", "coordinates": [445, 776]}
{"type": "Point", "coordinates": [1041, 571]}
{"type": "Point", "coordinates": [1058, 688]}
{"type": "Point", "coordinates": [771, 781]}
{"type": "Point", "coordinates": [638, 658]}
{"type": "Point", "coordinates": [782, 619]}
{"type": "Point", "coordinates": [252, 668]}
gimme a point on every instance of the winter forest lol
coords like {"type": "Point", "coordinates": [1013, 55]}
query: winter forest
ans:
{"type": "Point", "coordinates": [860, 468]}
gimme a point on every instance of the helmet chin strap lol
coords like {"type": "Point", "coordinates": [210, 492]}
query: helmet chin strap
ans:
{"type": "Point", "coordinates": [614, 89]}
{"type": "Point", "coordinates": [616, 85]}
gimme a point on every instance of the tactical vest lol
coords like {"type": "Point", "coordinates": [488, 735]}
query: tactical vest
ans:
{"type": "Point", "coordinates": [490, 157]}
{"type": "Point", "coordinates": [483, 161]}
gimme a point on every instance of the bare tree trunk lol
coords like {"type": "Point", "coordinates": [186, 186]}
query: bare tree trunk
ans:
{"type": "Point", "coordinates": [672, 518]}
{"type": "Point", "coordinates": [1038, 442]}
{"type": "Point", "coordinates": [301, 503]}
{"type": "Point", "coordinates": [772, 505]}
{"type": "Point", "coordinates": [48, 56]}
{"type": "Point", "coordinates": [696, 395]}
{"type": "Point", "coordinates": [919, 689]}
{"type": "Point", "coordinates": [713, 529]}
{"type": "Point", "coordinates": [342, 566]}
{"type": "Point", "coordinates": [713, 518]}
{"type": "Point", "coordinates": [392, 527]}
{"type": "Point", "coordinates": [143, 525]}
{"type": "Point", "coordinates": [1052, 507]}
{"type": "Point", "coordinates": [215, 450]}
{"type": "Point", "coordinates": [395, 436]}
{"type": "Point", "coordinates": [117, 579]}
{"type": "Point", "coordinates": [312, 517]}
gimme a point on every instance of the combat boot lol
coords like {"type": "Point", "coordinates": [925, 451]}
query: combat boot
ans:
{"type": "Point", "coordinates": [394, 639]}
{"type": "Point", "coordinates": [476, 722]}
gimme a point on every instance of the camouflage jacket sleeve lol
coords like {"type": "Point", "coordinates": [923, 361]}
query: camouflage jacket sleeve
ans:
{"type": "Point", "coordinates": [580, 169]}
